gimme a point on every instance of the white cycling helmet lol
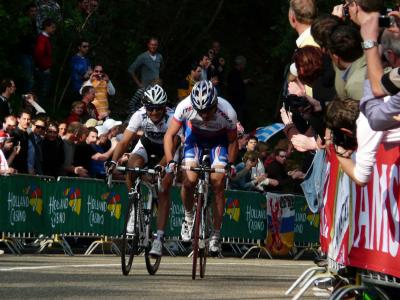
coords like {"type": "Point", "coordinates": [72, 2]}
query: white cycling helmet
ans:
{"type": "Point", "coordinates": [204, 95]}
{"type": "Point", "coordinates": [154, 95]}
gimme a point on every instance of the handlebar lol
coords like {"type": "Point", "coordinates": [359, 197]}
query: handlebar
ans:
{"type": "Point", "coordinates": [203, 169]}
{"type": "Point", "coordinates": [137, 170]}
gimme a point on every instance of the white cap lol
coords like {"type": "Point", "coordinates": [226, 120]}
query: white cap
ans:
{"type": "Point", "coordinates": [101, 130]}
{"type": "Point", "coordinates": [293, 70]}
{"type": "Point", "coordinates": [111, 123]}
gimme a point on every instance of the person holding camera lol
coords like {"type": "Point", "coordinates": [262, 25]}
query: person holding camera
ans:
{"type": "Point", "coordinates": [103, 86]}
{"type": "Point", "coordinates": [245, 179]}
{"type": "Point", "coordinates": [357, 10]}
{"type": "Point", "coordinates": [382, 115]}
{"type": "Point", "coordinates": [6, 144]}
{"type": "Point", "coordinates": [350, 131]}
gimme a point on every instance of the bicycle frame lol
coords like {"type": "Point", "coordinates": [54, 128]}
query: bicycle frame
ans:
{"type": "Point", "coordinates": [200, 244]}
{"type": "Point", "coordinates": [139, 214]}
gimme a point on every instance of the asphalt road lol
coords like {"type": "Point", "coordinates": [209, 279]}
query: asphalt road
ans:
{"type": "Point", "coordinates": [99, 276]}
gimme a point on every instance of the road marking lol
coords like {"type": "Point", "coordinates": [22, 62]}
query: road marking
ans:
{"type": "Point", "coordinates": [142, 263]}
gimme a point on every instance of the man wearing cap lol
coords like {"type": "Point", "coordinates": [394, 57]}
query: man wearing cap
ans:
{"type": "Point", "coordinates": [6, 144]}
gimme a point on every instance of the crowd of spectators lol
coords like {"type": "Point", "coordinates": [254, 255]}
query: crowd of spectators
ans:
{"type": "Point", "coordinates": [342, 86]}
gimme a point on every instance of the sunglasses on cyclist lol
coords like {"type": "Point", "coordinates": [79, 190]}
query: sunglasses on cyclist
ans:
{"type": "Point", "coordinates": [204, 111]}
{"type": "Point", "coordinates": [154, 108]}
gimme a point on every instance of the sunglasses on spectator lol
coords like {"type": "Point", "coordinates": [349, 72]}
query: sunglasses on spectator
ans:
{"type": "Point", "coordinates": [40, 127]}
{"type": "Point", "coordinates": [154, 108]}
{"type": "Point", "coordinates": [282, 156]}
{"type": "Point", "coordinates": [98, 71]}
{"type": "Point", "coordinates": [52, 131]}
{"type": "Point", "coordinates": [85, 46]}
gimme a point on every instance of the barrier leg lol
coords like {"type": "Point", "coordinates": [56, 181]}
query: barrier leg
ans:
{"type": "Point", "coordinates": [102, 242]}
{"type": "Point", "coordinates": [261, 249]}
{"type": "Point", "coordinates": [10, 245]}
{"type": "Point", "coordinates": [304, 277]}
{"type": "Point", "coordinates": [47, 243]}
{"type": "Point", "coordinates": [311, 281]}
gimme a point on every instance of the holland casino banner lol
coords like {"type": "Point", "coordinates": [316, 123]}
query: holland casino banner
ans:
{"type": "Point", "coordinates": [362, 226]}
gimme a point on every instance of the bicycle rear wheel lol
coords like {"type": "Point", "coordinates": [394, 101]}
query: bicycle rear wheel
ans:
{"type": "Point", "coordinates": [152, 263]}
{"type": "Point", "coordinates": [130, 238]}
{"type": "Point", "coordinates": [197, 228]}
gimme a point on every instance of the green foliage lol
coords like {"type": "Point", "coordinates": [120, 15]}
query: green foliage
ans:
{"type": "Point", "coordinates": [118, 30]}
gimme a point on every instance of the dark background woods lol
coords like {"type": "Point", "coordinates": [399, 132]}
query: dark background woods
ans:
{"type": "Point", "coordinates": [257, 29]}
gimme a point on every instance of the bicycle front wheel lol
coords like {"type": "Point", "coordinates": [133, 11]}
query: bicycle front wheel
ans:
{"type": "Point", "coordinates": [130, 238]}
{"type": "Point", "coordinates": [203, 252]}
{"type": "Point", "coordinates": [152, 263]}
{"type": "Point", "coordinates": [197, 228]}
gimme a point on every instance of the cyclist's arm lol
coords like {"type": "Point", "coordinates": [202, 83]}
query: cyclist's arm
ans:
{"type": "Point", "coordinates": [123, 145]}
{"type": "Point", "coordinates": [170, 141]}
{"type": "Point", "coordinates": [233, 147]}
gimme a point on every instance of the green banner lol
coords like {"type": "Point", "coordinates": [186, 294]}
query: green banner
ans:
{"type": "Point", "coordinates": [306, 224]}
{"type": "Point", "coordinates": [86, 206]}
{"type": "Point", "coordinates": [176, 214]}
{"type": "Point", "coordinates": [22, 203]}
{"type": "Point", "coordinates": [245, 215]}
{"type": "Point", "coordinates": [75, 205]}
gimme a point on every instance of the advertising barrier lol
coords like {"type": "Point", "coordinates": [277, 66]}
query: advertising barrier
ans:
{"type": "Point", "coordinates": [365, 225]}
{"type": "Point", "coordinates": [30, 204]}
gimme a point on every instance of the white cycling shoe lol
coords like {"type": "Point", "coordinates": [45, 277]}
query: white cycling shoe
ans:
{"type": "Point", "coordinates": [186, 230]}
{"type": "Point", "coordinates": [156, 248]}
{"type": "Point", "coordinates": [214, 246]}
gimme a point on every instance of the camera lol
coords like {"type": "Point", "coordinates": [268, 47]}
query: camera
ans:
{"type": "Point", "coordinates": [25, 96]}
{"type": "Point", "coordinates": [295, 103]}
{"type": "Point", "coordinates": [386, 21]}
{"type": "Point", "coordinates": [346, 13]}
{"type": "Point", "coordinates": [339, 138]}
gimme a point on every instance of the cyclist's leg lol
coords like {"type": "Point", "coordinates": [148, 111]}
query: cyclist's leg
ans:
{"type": "Point", "coordinates": [219, 160]}
{"type": "Point", "coordinates": [190, 158]}
{"type": "Point", "coordinates": [138, 158]}
{"type": "Point", "coordinates": [191, 155]}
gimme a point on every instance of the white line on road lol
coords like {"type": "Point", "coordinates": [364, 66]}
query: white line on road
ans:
{"type": "Point", "coordinates": [141, 263]}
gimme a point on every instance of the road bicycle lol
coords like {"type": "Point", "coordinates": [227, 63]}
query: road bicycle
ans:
{"type": "Point", "coordinates": [202, 220]}
{"type": "Point", "coordinates": [137, 234]}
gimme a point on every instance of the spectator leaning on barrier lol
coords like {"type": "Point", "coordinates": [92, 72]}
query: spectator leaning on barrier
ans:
{"type": "Point", "coordinates": [10, 124]}
{"type": "Point", "coordinates": [244, 179]}
{"type": "Point", "coordinates": [35, 151]}
{"type": "Point", "coordinates": [53, 151]}
{"type": "Point", "coordinates": [6, 145]}
{"type": "Point", "coordinates": [75, 132]}
{"type": "Point", "coordinates": [21, 138]}
{"type": "Point", "coordinates": [276, 170]}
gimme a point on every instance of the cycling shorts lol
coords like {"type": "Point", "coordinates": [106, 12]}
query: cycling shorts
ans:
{"type": "Point", "coordinates": [193, 152]}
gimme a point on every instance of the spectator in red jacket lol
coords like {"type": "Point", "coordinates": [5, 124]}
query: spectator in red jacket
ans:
{"type": "Point", "coordinates": [43, 60]}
